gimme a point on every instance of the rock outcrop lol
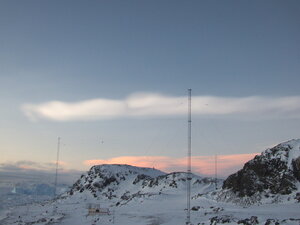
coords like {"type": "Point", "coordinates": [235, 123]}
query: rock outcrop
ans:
{"type": "Point", "coordinates": [275, 172]}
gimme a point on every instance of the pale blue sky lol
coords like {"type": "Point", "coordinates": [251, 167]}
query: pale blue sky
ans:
{"type": "Point", "coordinates": [73, 51]}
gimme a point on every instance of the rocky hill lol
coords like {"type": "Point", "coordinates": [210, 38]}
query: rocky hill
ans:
{"type": "Point", "coordinates": [122, 183]}
{"type": "Point", "coordinates": [273, 175]}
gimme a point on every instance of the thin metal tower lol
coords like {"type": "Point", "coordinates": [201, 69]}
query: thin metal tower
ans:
{"type": "Point", "coordinates": [188, 216]}
{"type": "Point", "coordinates": [216, 173]}
{"type": "Point", "coordinates": [56, 171]}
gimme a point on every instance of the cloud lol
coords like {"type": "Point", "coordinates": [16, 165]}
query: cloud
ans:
{"type": "Point", "coordinates": [61, 111]}
{"type": "Point", "coordinates": [205, 165]}
{"type": "Point", "coordinates": [26, 165]}
{"type": "Point", "coordinates": [153, 105]}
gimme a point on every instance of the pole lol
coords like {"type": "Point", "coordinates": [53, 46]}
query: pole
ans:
{"type": "Point", "coordinates": [56, 171]}
{"type": "Point", "coordinates": [113, 216]}
{"type": "Point", "coordinates": [188, 217]}
{"type": "Point", "coordinates": [216, 173]}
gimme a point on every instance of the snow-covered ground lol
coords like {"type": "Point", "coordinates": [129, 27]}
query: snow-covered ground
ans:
{"type": "Point", "coordinates": [167, 209]}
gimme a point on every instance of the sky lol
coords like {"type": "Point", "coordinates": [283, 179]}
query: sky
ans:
{"type": "Point", "coordinates": [110, 78]}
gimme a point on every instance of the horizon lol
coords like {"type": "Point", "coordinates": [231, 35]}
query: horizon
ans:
{"type": "Point", "coordinates": [226, 165]}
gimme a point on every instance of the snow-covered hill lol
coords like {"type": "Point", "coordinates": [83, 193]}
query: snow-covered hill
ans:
{"type": "Point", "coordinates": [122, 183]}
{"type": "Point", "coordinates": [270, 177]}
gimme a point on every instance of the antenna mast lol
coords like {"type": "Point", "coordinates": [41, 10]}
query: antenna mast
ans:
{"type": "Point", "coordinates": [188, 216]}
{"type": "Point", "coordinates": [56, 171]}
{"type": "Point", "coordinates": [216, 173]}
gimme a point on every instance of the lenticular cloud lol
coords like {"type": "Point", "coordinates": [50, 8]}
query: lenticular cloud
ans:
{"type": "Point", "coordinates": [157, 105]}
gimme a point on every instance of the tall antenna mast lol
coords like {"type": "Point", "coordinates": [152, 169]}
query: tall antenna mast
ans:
{"type": "Point", "coordinates": [188, 216]}
{"type": "Point", "coordinates": [56, 171]}
{"type": "Point", "coordinates": [216, 173]}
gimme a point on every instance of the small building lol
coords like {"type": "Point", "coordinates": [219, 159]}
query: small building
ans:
{"type": "Point", "coordinates": [95, 209]}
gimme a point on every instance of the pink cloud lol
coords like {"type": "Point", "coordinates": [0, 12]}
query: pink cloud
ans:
{"type": "Point", "coordinates": [226, 164]}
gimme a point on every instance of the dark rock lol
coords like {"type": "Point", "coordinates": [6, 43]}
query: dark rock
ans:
{"type": "Point", "coordinates": [268, 171]}
{"type": "Point", "coordinates": [298, 197]}
{"type": "Point", "coordinates": [296, 168]}
{"type": "Point", "coordinates": [141, 177]}
{"type": "Point", "coordinates": [221, 219]}
{"type": "Point", "coordinates": [249, 221]}
{"type": "Point", "coordinates": [271, 221]}
{"type": "Point", "coordinates": [195, 208]}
